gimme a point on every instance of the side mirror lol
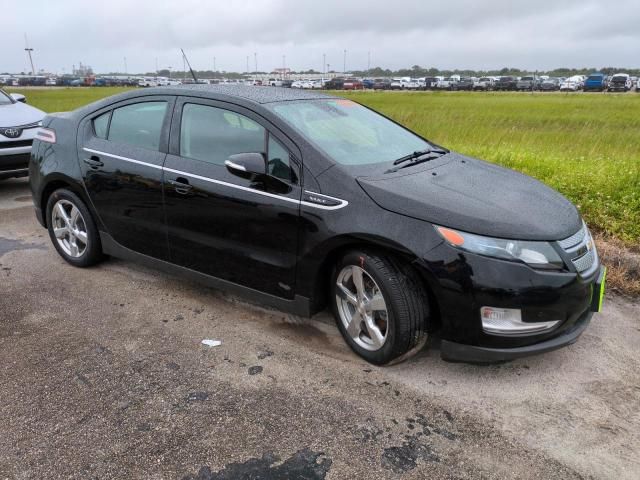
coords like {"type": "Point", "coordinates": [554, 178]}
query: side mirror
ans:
{"type": "Point", "coordinates": [247, 165]}
{"type": "Point", "coordinates": [19, 97]}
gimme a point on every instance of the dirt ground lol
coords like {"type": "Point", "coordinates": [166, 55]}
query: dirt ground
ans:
{"type": "Point", "coordinates": [103, 375]}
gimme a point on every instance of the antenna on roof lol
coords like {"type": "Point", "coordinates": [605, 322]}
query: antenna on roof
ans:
{"type": "Point", "coordinates": [189, 65]}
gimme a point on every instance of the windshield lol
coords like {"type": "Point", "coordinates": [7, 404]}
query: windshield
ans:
{"type": "Point", "coordinates": [595, 78]}
{"type": "Point", "coordinates": [349, 133]}
{"type": "Point", "coordinates": [4, 98]}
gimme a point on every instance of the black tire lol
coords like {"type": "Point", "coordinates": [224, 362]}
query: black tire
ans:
{"type": "Point", "coordinates": [93, 251]}
{"type": "Point", "coordinates": [406, 300]}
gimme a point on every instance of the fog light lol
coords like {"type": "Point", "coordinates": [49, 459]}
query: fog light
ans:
{"type": "Point", "coordinates": [508, 321]}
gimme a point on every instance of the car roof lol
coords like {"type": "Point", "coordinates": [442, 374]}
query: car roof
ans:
{"type": "Point", "coordinates": [242, 94]}
{"type": "Point", "coordinates": [251, 93]}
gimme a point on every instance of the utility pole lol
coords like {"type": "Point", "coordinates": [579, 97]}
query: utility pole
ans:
{"type": "Point", "coordinates": [125, 65]}
{"type": "Point", "coordinates": [344, 64]}
{"type": "Point", "coordinates": [255, 61]}
{"type": "Point", "coordinates": [214, 65]}
{"type": "Point", "coordinates": [29, 50]}
{"type": "Point", "coordinates": [156, 65]}
{"type": "Point", "coordinates": [368, 62]}
{"type": "Point", "coordinates": [324, 64]}
{"type": "Point", "coordinates": [247, 64]}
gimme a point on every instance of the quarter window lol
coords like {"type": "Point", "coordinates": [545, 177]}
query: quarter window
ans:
{"type": "Point", "coordinates": [101, 124]}
{"type": "Point", "coordinates": [139, 124]}
{"type": "Point", "coordinates": [280, 162]}
{"type": "Point", "coordinates": [213, 134]}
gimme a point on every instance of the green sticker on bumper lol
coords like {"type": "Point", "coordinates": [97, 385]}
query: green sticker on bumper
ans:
{"type": "Point", "coordinates": [602, 288]}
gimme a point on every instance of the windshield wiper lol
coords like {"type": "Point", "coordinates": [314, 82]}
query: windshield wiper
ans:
{"type": "Point", "coordinates": [419, 156]}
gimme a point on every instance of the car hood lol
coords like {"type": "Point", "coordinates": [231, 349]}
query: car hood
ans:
{"type": "Point", "coordinates": [475, 196]}
{"type": "Point", "coordinates": [18, 114]}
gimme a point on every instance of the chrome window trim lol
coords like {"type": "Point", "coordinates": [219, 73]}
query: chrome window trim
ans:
{"type": "Point", "coordinates": [342, 204]}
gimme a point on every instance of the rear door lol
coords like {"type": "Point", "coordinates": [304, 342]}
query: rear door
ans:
{"type": "Point", "coordinates": [122, 150]}
{"type": "Point", "coordinates": [240, 230]}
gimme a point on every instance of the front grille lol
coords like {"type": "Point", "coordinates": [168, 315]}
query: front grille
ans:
{"type": "Point", "coordinates": [582, 250]}
{"type": "Point", "coordinates": [585, 262]}
{"type": "Point", "coordinates": [16, 143]}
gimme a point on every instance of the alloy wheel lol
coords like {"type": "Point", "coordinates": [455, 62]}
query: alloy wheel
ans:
{"type": "Point", "coordinates": [69, 228]}
{"type": "Point", "coordinates": [362, 308]}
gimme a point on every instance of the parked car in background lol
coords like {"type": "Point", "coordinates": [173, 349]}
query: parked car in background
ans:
{"type": "Point", "coordinates": [484, 84]}
{"type": "Point", "coordinates": [551, 84]}
{"type": "Point", "coordinates": [367, 82]}
{"type": "Point", "coordinates": [431, 83]}
{"type": "Point", "coordinates": [620, 82]}
{"type": "Point", "coordinates": [274, 82]}
{"type": "Point", "coordinates": [358, 224]}
{"type": "Point", "coordinates": [447, 83]}
{"type": "Point", "coordinates": [381, 84]}
{"type": "Point", "coordinates": [465, 83]}
{"type": "Point", "coordinates": [335, 83]}
{"type": "Point", "coordinates": [297, 84]}
{"type": "Point", "coordinates": [595, 82]}
{"type": "Point", "coordinates": [19, 125]}
{"type": "Point", "coordinates": [312, 84]}
{"type": "Point", "coordinates": [352, 84]}
{"type": "Point", "coordinates": [528, 83]}
{"type": "Point", "coordinates": [572, 84]}
{"type": "Point", "coordinates": [638, 86]}
{"type": "Point", "coordinates": [399, 83]}
{"type": "Point", "coordinates": [287, 83]}
{"type": "Point", "coordinates": [507, 83]}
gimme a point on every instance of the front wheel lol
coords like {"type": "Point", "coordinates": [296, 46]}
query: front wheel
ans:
{"type": "Point", "coordinates": [72, 229]}
{"type": "Point", "coordinates": [380, 306]}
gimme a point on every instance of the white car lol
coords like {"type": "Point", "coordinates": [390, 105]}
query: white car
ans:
{"type": "Point", "coordinates": [484, 83]}
{"type": "Point", "coordinates": [620, 82]}
{"type": "Point", "coordinates": [19, 124]}
{"type": "Point", "coordinates": [312, 85]}
{"type": "Point", "coordinates": [448, 83]}
{"type": "Point", "coordinates": [298, 84]}
{"type": "Point", "coordinates": [638, 86]}
{"type": "Point", "coordinates": [572, 84]}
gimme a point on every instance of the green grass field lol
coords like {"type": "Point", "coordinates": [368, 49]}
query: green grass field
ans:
{"type": "Point", "coordinates": [585, 145]}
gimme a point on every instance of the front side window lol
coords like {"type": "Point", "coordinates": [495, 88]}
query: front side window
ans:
{"type": "Point", "coordinates": [139, 124]}
{"type": "Point", "coordinates": [349, 133]}
{"type": "Point", "coordinates": [213, 134]}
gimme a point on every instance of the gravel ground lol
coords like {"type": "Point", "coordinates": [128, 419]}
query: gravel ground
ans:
{"type": "Point", "coordinates": [103, 375]}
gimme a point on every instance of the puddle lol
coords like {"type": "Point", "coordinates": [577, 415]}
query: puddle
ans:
{"type": "Point", "coordinates": [9, 245]}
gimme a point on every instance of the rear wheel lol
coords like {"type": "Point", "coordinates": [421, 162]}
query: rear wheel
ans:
{"type": "Point", "coordinates": [72, 229]}
{"type": "Point", "coordinates": [380, 306]}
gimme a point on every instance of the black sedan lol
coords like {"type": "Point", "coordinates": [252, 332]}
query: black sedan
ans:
{"type": "Point", "coordinates": [303, 201]}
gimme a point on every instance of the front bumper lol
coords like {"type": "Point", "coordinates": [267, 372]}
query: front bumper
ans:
{"type": "Point", "coordinates": [458, 352]}
{"type": "Point", "coordinates": [15, 154]}
{"type": "Point", "coordinates": [463, 283]}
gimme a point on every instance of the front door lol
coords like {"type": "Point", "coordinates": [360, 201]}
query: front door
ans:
{"type": "Point", "coordinates": [121, 150]}
{"type": "Point", "coordinates": [239, 230]}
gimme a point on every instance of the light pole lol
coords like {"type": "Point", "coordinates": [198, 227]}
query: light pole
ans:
{"type": "Point", "coordinates": [214, 65]}
{"type": "Point", "coordinates": [29, 50]}
{"type": "Point", "coordinates": [344, 64]}
{"type": "Point", "coordinates": [255, 62]}
{"type": "Point", "coordinates": [368, 62]}
{"type": "Point", "coordinates": [324, 64]}
{"type": "Point", "coordinates": [247, 64]}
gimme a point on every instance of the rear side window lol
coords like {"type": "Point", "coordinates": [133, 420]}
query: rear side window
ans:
{"type": "Point", "coordinates": [139, 124]}
{"type": "Point", "coordinates": [101, 125]}
{"type": "Point", "coordinates": [213, 134]}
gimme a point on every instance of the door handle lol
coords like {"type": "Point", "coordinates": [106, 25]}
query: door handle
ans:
{"type": "Point", "coordinates": [181, 185]}
{"type": "Point", "coordinates": [94, 161]}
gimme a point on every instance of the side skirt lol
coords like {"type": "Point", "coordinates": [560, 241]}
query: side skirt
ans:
{"type": "Point", "coordinates": [298, 306]}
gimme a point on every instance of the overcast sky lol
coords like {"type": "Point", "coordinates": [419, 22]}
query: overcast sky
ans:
{"type": "Point", "coordinates": [477, 34]}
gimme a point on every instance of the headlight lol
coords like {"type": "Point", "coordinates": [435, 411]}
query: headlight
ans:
{"type": "Point", "coordinates": [535, 254]}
